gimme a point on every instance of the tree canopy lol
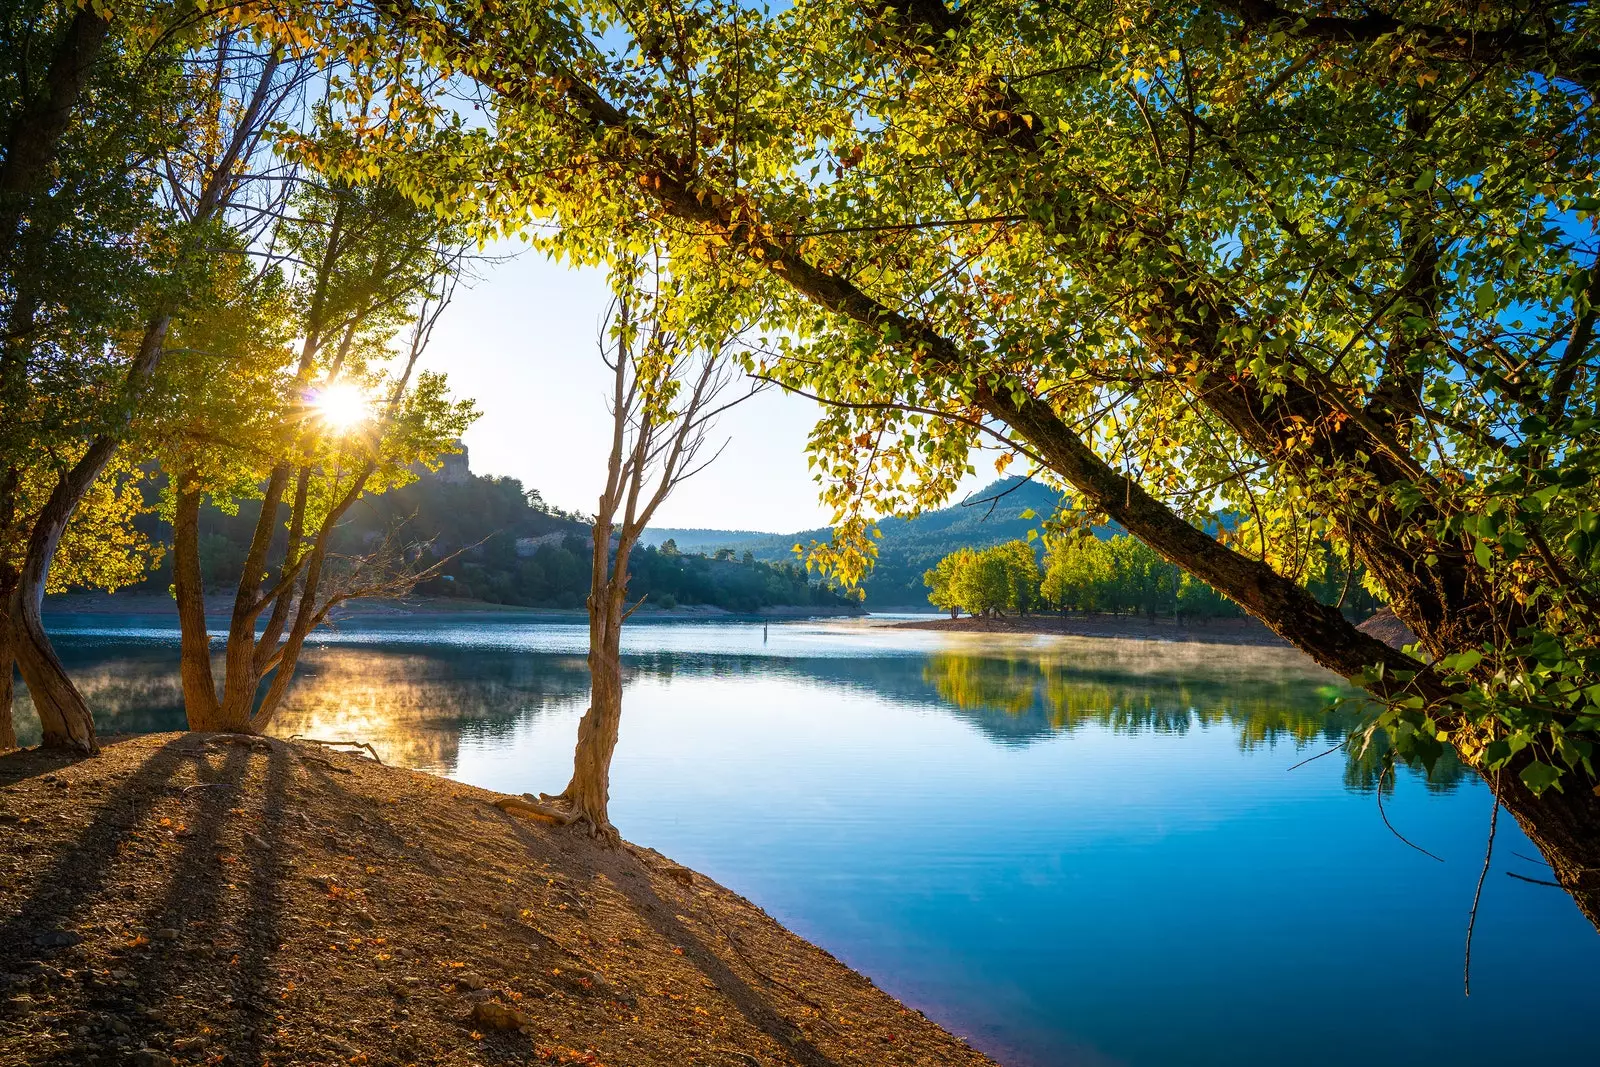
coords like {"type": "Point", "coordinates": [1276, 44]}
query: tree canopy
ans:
{"type": "Point", "coordinates": [1330, 269]}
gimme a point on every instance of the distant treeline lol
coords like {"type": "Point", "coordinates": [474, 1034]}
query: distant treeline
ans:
{"type": "Point", "coordinates": [497, 541]}
{"type": "Point", "coordinates": [1116, 575]}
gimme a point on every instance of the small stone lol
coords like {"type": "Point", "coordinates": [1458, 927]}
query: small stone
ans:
{"type": "Point", "coordinates": [469, 980]}
{"type": "Point", "coordinates": [681, 875]}
{"type": "Point", "coordinates": [190, 1044]}
{"type": "Point", "coordinates": [149, 1057]}
{"type": "Point", "coordinates": [498, 1016]}
{"type": "Point", "coordinates": [166, 933]}
{"type": "Point", "coordinates": [57, 939]}
{"type": "Point", "coordinates": [256, 841]}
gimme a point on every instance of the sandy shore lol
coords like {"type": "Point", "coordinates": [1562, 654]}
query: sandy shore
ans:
{"type": "Point", "coordinates": [223, 899]}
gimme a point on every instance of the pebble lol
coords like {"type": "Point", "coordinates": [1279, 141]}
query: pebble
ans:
{"type": "Point", "coordinates": [166, 933]}
{"type": "Point", "coordinates": [57, 939]}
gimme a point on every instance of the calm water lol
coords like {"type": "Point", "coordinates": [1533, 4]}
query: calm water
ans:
{"type": "Point", "coordinates": [1072, 852]}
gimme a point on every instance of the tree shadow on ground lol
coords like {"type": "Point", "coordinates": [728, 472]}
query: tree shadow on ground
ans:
{"type": "Point", "coordinates": [195, 959]}
{"type": "Point", "coordinates": [629, 876]}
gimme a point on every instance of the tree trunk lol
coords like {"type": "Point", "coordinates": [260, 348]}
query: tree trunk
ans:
{"type": "Point", "coordinates": [38, 124]}
{"type": "Point", "coordinates": [8, 728]}
{"type": "Point", "coordinates": [1564, 828]}
{"type": "Point", "coordinates": [199, 685]}
{"type": "Point", "coordinates": [588, 794]}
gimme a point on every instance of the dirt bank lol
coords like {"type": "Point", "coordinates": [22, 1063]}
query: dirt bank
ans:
{"type": "Point", "coordinates": [1216, 631]}
{"type": "Point", "coordinates": [225, 900]}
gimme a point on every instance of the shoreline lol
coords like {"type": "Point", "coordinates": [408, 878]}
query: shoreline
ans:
{"type": "Point", "coordinates": [188, 898]}
{"type": "Point", "coordinates": [1247, 632]}
{"type": "Point", "coordinates": [220, 607]}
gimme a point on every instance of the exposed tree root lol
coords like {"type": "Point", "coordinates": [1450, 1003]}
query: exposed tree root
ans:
{"type": "Point", "coordinates": [556, 809]}
{"type": "Point", "coordinates": [526, 806]}
{"type": "Point", "coordinates": [340, 744]}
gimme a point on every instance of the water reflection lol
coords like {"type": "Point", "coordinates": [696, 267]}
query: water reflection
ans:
{"type": "Point", "coordinates": [414, 708]}
{"type": "Point", "coordinates": [416, 702]}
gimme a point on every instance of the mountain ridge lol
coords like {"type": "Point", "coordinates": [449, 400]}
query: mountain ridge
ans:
{"type": "Point", "coordinates": [998, 512]}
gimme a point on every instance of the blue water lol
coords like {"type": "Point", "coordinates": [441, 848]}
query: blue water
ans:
{"type": "Point", "coordinates": [1071, 851]}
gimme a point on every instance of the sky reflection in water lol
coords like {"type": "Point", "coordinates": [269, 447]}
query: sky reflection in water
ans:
{"type": "Point", "coordinates": [1075, 852]}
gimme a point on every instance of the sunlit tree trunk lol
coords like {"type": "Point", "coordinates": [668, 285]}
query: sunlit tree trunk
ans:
{"type": "Point", "coordinates": [199, 685]}
{"type": "Point", "coordinates": [589, 791]}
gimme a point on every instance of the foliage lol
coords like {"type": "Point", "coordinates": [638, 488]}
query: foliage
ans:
{"type": "Point", "coordinates": [997, 579]}
{"type": "Point", "coordinates": [1334, 275]}
{"type": "Point", "coordinates": [1122, 575]}
{"type": "Point", "coordinates": [1080, 573]}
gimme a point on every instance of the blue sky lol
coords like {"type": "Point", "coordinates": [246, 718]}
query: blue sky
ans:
{"type": "Point", "coordinates": [521, 342]}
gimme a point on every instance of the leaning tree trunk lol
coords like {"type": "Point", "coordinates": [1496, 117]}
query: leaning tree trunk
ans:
{"type": "Point", "coordinates": [1563, 825]}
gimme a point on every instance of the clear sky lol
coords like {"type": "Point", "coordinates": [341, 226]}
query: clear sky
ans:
{"type": "Point", "coordinates": [522, 343]}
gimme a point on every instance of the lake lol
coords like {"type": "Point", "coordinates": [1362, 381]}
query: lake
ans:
{"type": "Point", "coordinates": [1071, 851]}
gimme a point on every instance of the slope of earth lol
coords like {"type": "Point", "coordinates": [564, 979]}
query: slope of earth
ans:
{"type": "Point", "coordinates": [222, 899]}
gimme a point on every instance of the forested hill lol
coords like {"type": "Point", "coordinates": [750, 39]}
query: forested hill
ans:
{"type": "Point", "coordinates": [909, 546]}
{"type": "Point", "coordinates": [504, 545]}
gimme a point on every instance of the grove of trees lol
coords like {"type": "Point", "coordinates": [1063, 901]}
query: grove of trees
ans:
{"type": "Point", "coordinates": [1118, 575]}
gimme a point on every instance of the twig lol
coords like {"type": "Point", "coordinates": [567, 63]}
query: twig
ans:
{"type": "Point", "coordinates": [1472, 919]}
{"type": "Point", "coordinates": [1384, 815]}
{"type": "Point", "coordinates": [1533, 881]}
{"type": "Point", "coordinates": [1318, 756]}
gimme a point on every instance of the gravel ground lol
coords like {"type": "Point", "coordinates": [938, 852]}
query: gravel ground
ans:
{"type": "Point", "coordinates": [229, 900]}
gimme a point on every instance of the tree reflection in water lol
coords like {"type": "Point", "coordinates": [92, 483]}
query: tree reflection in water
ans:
{"type": "Point", "coordinates": [414, 703]}
{"type": "Point", "coordinates": [1020, 698]}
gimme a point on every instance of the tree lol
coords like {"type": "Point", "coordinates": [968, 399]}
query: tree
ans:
{"type": "Point", "coordinates": [1335, 272]}
{"type": "Point", "coordinates": [308, 432]}
{"type": "Point", "coordinates": [1021, 566]}
{"type": "Point", "coordinates": [101, 549]}
{"type": "Point", "coordinates": [97, 264]}
{"type": "Point", "coordinates": [943, 581]}
{"type": "Point", "coordinates": [667, 391]}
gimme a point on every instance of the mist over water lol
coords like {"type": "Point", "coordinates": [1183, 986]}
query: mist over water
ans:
{"type": "Point", "coordinates": [1072, 851]}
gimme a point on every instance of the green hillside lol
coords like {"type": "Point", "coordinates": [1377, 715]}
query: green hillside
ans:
{"type": "Point", "coordinates": [909, 546]}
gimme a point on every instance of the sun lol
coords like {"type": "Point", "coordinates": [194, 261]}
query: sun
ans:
{"type": "Point", "coordinates": [341, 406]}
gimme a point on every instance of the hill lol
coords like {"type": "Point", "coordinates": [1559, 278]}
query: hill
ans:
{"type": "Point", "coordinates": [908, 547]}
{"type": "Point", "coordinates": [500, 543]}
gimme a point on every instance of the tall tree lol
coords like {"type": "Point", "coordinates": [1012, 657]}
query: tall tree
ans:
{"type": "Point", "coordinates": [307, 432]}
{"type": "Point", "coordinates": [667, 390]}
{"type": "Point", "coordinates": [150, 164]}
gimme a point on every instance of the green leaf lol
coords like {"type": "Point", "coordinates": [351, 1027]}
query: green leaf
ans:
{"type": "Point", "coordinates": [1539, 776]}
{"type": "Point", "coordinates": [1462, 662]}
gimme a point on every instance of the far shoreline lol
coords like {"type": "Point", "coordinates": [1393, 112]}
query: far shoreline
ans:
{"type": "Point", "coordinates": [218, 608]}
{"type": "Point", "coordinates": [1247, 631]}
